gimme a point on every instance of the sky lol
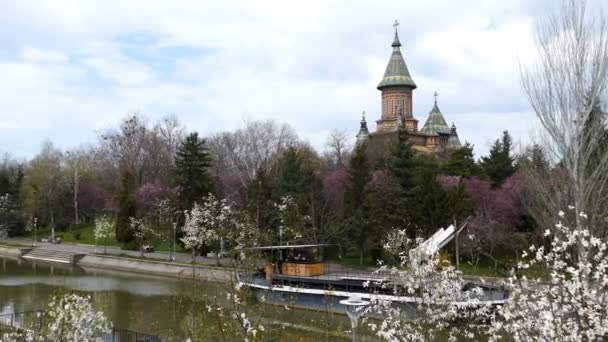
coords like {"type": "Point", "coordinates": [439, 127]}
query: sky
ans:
{"type": "Point", "coordinates": [71, 69]}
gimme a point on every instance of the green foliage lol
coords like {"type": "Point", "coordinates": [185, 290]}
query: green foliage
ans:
{"type": "Point", "coordinates": [126, 207]}
{"type": "Point", "coordinates": [461, 162]}
{"type": "Point", "coordinates": [294, 177]}
{"type": "Point", "coordinates": [429, 207]}
{"type": "Point", "coordinates": [499, 164]}
{"type": "Point", "coordinates": [402, 163]}
{"type": "Point", "coordinates": [192, 162]}
{"type": "Point", "coordinates": [357, 215]}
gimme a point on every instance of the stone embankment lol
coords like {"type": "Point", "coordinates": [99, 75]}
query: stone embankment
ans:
{"type": "Point", "coordinates": [155, 267]}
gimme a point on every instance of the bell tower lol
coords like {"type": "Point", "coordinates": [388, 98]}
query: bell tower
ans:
{"type": "Point", "coordinates": [397, 87]}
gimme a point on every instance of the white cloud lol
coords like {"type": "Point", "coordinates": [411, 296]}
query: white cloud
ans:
{"type": "Point", "coordinates": [78, 67]}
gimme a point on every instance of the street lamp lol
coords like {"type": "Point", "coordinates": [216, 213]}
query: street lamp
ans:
{"type": "Point", "coordinates": [173, 252]}
{"type": "Point", "coordinates": [354, 310]}
{"type": "Point", "coordinates": [35, 231]}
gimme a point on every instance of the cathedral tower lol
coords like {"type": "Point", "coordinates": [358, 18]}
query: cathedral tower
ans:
{"type": "Point", "coordinates": [397, 87]}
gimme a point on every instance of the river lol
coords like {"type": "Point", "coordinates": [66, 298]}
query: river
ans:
{"type": "Point", "coordinates": [149, 304]}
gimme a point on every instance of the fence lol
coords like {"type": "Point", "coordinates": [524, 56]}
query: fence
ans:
{"type": "Point", "coordinates": [124, 335]}
{"type": "Point", "coordinates": [34, 321]}
{"type": "Point", "coordinates": [27, 320]}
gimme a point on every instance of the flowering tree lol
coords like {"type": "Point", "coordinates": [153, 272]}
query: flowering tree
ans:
{"type": "Point", "coordinates": [291, 222]}
{"type": "Point", "coordinates": [148, 195]}
{"type": "Point", "coordinates": [571, 304]}
{"type": "Point", "coordinates": [214, 221]}
{"type": "Point", "coordinates": [139, 229]}
{"type": "Point", "coordinates": [104, 229]}
{"type": "Point", "coordinates": [440, 305]}
{"type": "Point", "coordinates": [70, 317]}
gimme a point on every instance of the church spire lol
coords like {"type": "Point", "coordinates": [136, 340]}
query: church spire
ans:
{"type": "Point", "coordinates": [396, 42]}
{"type": "Point", "coordinates": [363, 134]}
{"type": "Point", "coordinates": [396, 73]}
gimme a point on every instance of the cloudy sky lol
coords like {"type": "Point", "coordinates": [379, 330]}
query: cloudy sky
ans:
{"type": "Point", "coordinates": [70, 69]}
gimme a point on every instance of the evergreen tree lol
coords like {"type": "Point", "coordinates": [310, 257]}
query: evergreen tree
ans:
{"type": "Point", "coordinates": [294, 176]}
{"type": "Point", "coordinates": [127, 207]}
{"type": "Point", "coordinates": [259, 193]}
{"type": "Point", "coordinates": [192, 162]}
{"type": "Point", "coordinates": [402, 163]}
{"type": "Point", "coordinates": [499, 164]}
{"type": "Point", "coordinates": [461, 162]}
{"type": "Point", "coordinates": [460, 205]}
{"type": "Point", "coordinates": [429, 207]}
{"type": "Point", "coordinates": [355, 199]}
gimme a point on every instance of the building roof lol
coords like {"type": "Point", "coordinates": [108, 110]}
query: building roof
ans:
{"type": "Point", "coordinates": [453, 140]}
{"type": "Point", "coordinates": [396, 73]}
{"type": "Point", "coordinates": [435, 124]}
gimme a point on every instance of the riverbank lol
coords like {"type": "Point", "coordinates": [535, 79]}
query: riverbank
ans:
{"type": "Point", "coordinates": [154, 267]}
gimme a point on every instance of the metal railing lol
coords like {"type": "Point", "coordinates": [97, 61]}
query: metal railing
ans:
{"type": "Point", "coordinates": [26, 320]}
{"type": "Point", "coordinates": [34, 321]}
{"type": "Point", "coordinates": [124, 335]}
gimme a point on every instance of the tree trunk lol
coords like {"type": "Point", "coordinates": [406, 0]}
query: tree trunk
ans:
{"type": "Point", "coordinates": [76, 186]}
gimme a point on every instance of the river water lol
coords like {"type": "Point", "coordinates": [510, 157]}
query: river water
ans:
{"type": "Point", "coordinates": [149, 304]}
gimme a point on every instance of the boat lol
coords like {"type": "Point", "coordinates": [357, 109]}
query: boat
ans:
{"type": "Point", "coordinates": [298, 276]}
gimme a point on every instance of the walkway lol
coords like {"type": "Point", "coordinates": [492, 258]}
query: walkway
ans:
{"type": "Point", "coordinates": [91, 249]}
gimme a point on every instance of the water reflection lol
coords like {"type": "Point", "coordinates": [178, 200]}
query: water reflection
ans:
{"type": "Point", "coordinates": [140, 302]}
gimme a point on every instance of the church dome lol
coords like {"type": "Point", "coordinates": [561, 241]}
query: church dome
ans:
{"type": "Point", "coordinates": [435, 124]}
{"type": "Point", "coordinates": [396, 73]}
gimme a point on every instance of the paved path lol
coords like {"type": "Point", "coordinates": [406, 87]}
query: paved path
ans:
{"type": "Point", "coordinates": [90, 249]}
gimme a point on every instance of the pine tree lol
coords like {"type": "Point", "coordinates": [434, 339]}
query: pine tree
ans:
{"type": "Point", "coordinates": [429, 207]}
{"type": "Point", "coordinates": [192, 162]}
{"type": "Point", "coordinates": [402, 163]}
{"type": "Point", "coordinates": [294, 177]}
{"type": "Point", "coordinates": [126, 207]}
{"type": "Point", "coordinates": [499, 164]}
{"type": "Point", "coordinates": [355, 200]}
{"type": "Point", "coordinates": [460, 205]}
{"type": "Point", "coordinates": [461, 162]}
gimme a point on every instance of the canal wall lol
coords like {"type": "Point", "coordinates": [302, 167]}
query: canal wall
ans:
{"type": "Point", "coordinates": [13, 251]}
{"type": "Point", "coordinates": [207, 273]}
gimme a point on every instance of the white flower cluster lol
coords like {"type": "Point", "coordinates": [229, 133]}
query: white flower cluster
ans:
{"type": "Point", "coordinates": [572, 304]}
{"type": "Point", "coordinates": [213, 220]}
{"type": "Point", "coordinates": [437, 298]}
{"type": "Point", "coordinates": [72, 318]}
{"type": "Point", "coordinates": [103, 228]}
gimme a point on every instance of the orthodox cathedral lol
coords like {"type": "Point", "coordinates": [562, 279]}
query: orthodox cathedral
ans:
{"type": "Point", "coordinates": [397, 87]}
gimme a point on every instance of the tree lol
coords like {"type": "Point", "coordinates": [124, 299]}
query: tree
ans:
{"type": "Point", "coordinates": [127, 208]}
{"type": "Point", "coordinates": [9, 216]}
{"type": "Point", "coordinates": [251, 150]}
{"type": "Point", "coordinates": [499, 164]}
{"type": "Point", "coordinates": [43, 184]}
{"type": "Point", "coordinates": [71, 317]}
{"type": "Point", "coordinates": [77, 165]}
{"type": "Point", "coordinates": [564, 87]}
{"type": "Point", "coordinates": [337, 149]}
{"type": "Point", "coordinates": [461, 162]}
{"type": "Point", "coordinates": [572, 303]}
{"type": "Point", "coordinates": [192, 162]}
{"type": "Point", "coordinates": [356, 197]}
{"type": "Point", "coordinates": [139, 230]}
{"type": "Point", "coordinates": [402, 163]}
{"type": "Point", "coordinates": [429, 207]}
{"type": "Point", "coordinates": [103, 231]}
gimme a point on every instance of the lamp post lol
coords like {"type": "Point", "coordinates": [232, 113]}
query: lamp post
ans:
{"type": "Point", "coordinates": [35, 231]}
{"type": "Point", "coordinates": [354, 310]}
{"type": "Point", "coordinates": [173, 251]}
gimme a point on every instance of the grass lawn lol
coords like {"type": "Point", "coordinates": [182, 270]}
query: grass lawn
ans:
{"type": "Point", "coordinates": [9, 244]}
{"type": "Point", "coordinates": [85, 235]}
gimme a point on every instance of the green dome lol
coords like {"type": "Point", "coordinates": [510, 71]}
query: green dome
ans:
{"type": "Point", "coordinates": [435, 124]}
{"type": "Point", "coordinates": [396, 73]}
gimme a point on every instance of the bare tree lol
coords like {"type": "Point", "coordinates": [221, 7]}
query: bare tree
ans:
{"type": "Point", "coordinates": [338, 146]}
{"type": "Point", "coordinates": [564, 86]}
{"type": "Point", "coordinates": [252, 149]}
{"type": "Point", "coordinates": [77, 163]}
